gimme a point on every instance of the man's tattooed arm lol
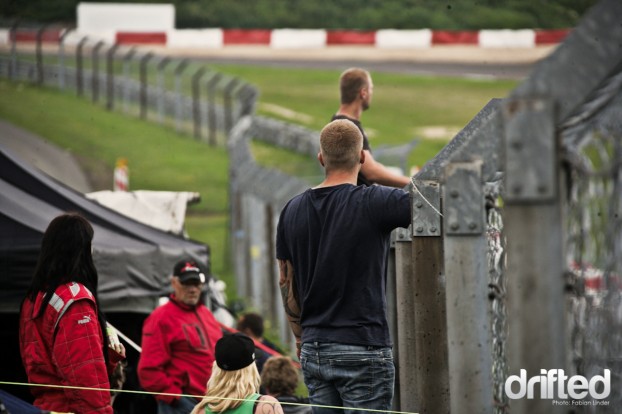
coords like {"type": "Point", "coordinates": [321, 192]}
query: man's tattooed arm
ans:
{"type": "Point", "coordinates": [291, 302]}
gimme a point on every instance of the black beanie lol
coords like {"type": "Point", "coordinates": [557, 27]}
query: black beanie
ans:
{"type": "Point", "coordinates": [234, 352]}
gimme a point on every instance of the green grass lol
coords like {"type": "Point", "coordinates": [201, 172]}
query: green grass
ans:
{"type": "Point", "coordinates": [402, 104]}
{"type": "Point", "coordinates": [159, 159]}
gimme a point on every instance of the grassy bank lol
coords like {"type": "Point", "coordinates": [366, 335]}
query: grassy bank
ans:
{"type": "Point", "coordinates": [404, 107]}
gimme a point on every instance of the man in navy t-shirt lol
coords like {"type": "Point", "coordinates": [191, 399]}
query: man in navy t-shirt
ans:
{"type": "Point", "coordinates": [332, 245]}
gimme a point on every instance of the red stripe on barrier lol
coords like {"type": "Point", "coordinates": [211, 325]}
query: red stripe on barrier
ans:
{"type": "Point", "coordinates": [139, 38]}
{"type": "Point", "coordinates": [594, 283]}
{"type": "Point", "coordinates": [246, 37]}
{"type": "Point", "coordinates": [550, 37]}
{"type": "Point", "coordinates": [343, 37]}
{"type": "Point", "coordinates": [49, 36]}
{"type": "Point", "coordinates": [447, 37]}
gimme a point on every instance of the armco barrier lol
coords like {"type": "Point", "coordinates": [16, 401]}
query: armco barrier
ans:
{"type": "Point", "coordinates": [316, 38]}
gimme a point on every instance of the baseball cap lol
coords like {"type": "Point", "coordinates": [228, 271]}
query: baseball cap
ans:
{"type": "Point", "coordinates": [234, 352]}
{"type": "Point", "coordinates": [187, 270]}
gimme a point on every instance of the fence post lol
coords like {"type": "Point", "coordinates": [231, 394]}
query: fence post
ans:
{"type": "Point", "coordinates": [39, 53]}
{"type": "Point", "coordinates": [211, 108]}
{"type": "Point", "coordinates": [110, 76]}
{"type": "Point", "coordinates": [247, 96]}
{"type": "Point", "coordinates": [406, 389]}
{"type": "Point", "coordinates": [161, 87]}
{"type": "Point", "coordinates": [143, 84]}
{"type": "Point", "coordinates": [13, 37]}
{"type": "Point", "coordinates": [533, 223]}
{"type": "Point", "coordinates": [228, 103]}
{"type": "Point", "coordinates": [429, 365]}
{"type": "Point", "coordinates": [95, 71]}
{"type": "Point", "coordinates": [196, 101]}
{"type": "Point", "coordinates": [79, 68]}
{"type": "Point", "coordinates": [466, 269]}
{"type": "Point", "coordinates": [127, 59]}
{"type": "Point", "coordinates": [61, 59]}
{"type": "Point", "coordinates": [179, 69]}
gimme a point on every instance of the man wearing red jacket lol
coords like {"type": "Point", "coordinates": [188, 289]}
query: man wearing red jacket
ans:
{"type": "Point", "coordinates": [178, 343]}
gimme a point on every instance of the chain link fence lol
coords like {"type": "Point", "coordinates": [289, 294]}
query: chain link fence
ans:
{"type": "Point", "coordinates": [592, 143]}
{"type": "Point", "coordinates": [497, 294]}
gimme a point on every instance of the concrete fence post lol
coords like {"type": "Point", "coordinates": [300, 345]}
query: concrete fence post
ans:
{"type": "Point", "coordinates": [429, 369]}
{"type": "Point", "coordinates": [127, 78]}
{"type": "Point", "coordinates": [13, 39]}
{"type": "Point", "coordinates": [406, 388]}
{"type": "Point", "coordinates": [61, 59]}
{"type": "Point", "coordinates": [39, 53]}
{"type": "Point", "coordinates": [95, 71]}
{"type": "Point", "coordinates": [212, 124]}
{"type": "Point", "coordinates": [144, 87]}
{"type": "Point", "coordinates": [162, 87]}
{"type": "Point", "coordinates": [179, 103]}
{"type": "Point", "coordinates": [533, 224]}
{"type": "Point", "coordinates": [228, 103]}
{"type": "Point", "coordinates": [196, 101]}
{"type": "Point", "coordinates": [110, 89]}
{"type": "Point", "coordinates": [80, 67]}
{"type": "Point", "coordinates": [466, 270]}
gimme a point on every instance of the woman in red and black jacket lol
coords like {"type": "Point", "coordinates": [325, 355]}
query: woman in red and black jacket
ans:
{"type": "Point", "coordinates": [63, 339]}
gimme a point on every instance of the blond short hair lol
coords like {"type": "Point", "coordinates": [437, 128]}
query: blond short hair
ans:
{"type": "Point", "coordinates": [351, 82]}
{"type": "Point", "coordinates": [341, 143]}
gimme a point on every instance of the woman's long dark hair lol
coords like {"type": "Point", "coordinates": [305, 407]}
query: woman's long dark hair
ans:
{"type": "Point", "coordinates": [65, 257]}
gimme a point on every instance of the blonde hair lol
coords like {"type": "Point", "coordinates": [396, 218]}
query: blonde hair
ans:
{"type": "Point", "coordinates": [226, 390]}
{"type": "Point", "coordinates": [341, 143]}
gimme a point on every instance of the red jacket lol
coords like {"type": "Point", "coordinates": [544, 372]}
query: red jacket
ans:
{"type": "Point", "coordinates": [178, 350]}
{"type": "Point", "coordinates": [64, 347]}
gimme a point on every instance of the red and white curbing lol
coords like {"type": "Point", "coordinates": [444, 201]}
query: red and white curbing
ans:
{"type": "Point", "coordinates": [304, 38]}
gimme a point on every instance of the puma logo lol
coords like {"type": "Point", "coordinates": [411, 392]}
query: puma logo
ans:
{"type": "Point", "coordinates": [85, 319]}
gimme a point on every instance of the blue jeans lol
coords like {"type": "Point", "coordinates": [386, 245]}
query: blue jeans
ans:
{"type": "Point", "coordinates": [184, 406]}
{"type": "Point", "coordinates": [351, 376]}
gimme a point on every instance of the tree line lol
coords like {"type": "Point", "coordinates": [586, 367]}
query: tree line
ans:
{"type": "Point", "coordinates": [334, 14]}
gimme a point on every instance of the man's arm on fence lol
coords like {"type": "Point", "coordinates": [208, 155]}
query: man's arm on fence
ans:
{"type": "Point", "coordinates": [291, 302]}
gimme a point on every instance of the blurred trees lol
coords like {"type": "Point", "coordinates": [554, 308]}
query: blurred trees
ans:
{"type": "Point", "coordinates": [335, 14]}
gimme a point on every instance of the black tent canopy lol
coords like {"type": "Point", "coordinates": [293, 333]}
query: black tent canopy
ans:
{"type": "Point", "coordinates": [133, 260]}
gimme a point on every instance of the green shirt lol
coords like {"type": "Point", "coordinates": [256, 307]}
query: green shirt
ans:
{"type": "Point", "coordinates": [245, 408]}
